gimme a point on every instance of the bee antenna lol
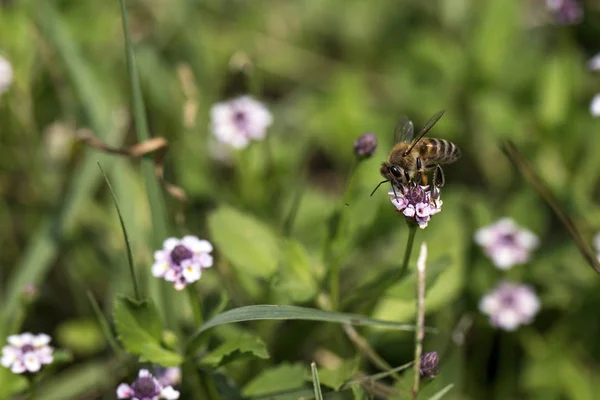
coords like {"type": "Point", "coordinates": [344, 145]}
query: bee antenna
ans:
{"type": "Point", "coordinates": [377, 187]}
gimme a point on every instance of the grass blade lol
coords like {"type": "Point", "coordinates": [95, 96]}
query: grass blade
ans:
{"type": "Point", "coordinates": [442, 392]}
{"type": "Point", "coordinates": [136, 289]}
{"type": "Point", "coordinates": [104, 325]}
{"type": "Point", "coordinates": [274, 312]}
{"type": "Point", "coordinates": [155, 195]}
{"type": "Point", "coordinates": [44, 244]}
{"type": "Point", "coordinates": [316, 383]}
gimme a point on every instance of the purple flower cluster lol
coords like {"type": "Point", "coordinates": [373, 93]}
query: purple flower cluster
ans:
{"type": "Point", "coordinates": [238, 121]}
{"type": "Point", "coordinates": [417, 203]}
{"type": "Point", "coordinates": [181, 261]}
{"type": "Point", "coordinates": [510, 305]}
{"type": "Point", "coordinates": [26, 352]}
{"type": "Point", "coordinates": [506, 243]}
{"type": "Point", "coordinates": [146, 387]}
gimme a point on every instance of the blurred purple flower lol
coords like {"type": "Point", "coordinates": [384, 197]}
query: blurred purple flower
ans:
{"type": "Point", "coordinates": [365, 145]}
{"type": "Point", "coordinates": [168, 376]}
{"type": "Point", "coordinates": [510, 305]}
{"type": "Point", "coordinates": [430, 364]}
{"type": "Point", "coordinates": [27, 352]}
{"type": "Point", "coordinates": [417, 203]}
{"type": "Point", "coordinates": [565, 12]}
{"type": "Point", "coordinates": [238, 121]}
{"type": "Point", "coordinates": [146, 387]}
{"type": "Point", "coordinates": [506, 244]}
{"type": "Point", "coordinates": [182, 261]}
{"type": "Point", "coordinates": [6, 74]}
{"type": "Point", "coordinates": [594, 63]}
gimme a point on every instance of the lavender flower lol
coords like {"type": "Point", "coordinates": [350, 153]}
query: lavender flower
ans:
{"type": "Point", "coordinates": [595, 106]}
{"type": "Point", "coordinates": [182, 261]}
{"type": "Point", "coordinates": [146, 387]}
{"type": "Point", "coordinates": [365, 145]}
{"type": "Point", "coordinates": [26, 352]}
{"type": "Point", "coordinates": [565, 12]}
{"type": "Point", "coordinates": [510, 305]}
{"type": "Point", "coordinates": [6, 75]}
{"type": "Point", "coordinates": [506, 244]}
{"type": "Point", "coordinates": [238, 121]}
{"type": "Point", "coordinates": [430, 364]}
{"type": "Point", "coordinates": [417, 203]}
{"type": "Point", "coordinates": [169, 376]}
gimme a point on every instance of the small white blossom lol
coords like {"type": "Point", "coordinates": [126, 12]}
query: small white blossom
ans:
{"type": "Point", "coordinates": [238, 121]}
{"type": "Point", "coordinates": [510, 305]}
{"type": "Point", "coordinates": [146, 387]}
{"type": "Point", "coordinates": [169, 376]}
{"type": "Point", "coordinates": [594, 63]}
{"type": "Point", "coordinates": [595, 106]}
{"type": "Point", "coordinates": [26, 352]}
{"type": "Point", "coordinates": [6, 75]}
{"type": "Point", "coordinates": [417, 203]}
{"type": "Point", "coordinates": [181, 261]}
{"type": "Point", "coordinates": [506, 243]}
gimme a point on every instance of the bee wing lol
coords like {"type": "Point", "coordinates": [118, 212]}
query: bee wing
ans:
{"type": "Point", "coordinates": [404, 130]}
{"type": "Point", "coordinates": [432, 121]}
{"type": "Point", "coordinates": [544, 192]}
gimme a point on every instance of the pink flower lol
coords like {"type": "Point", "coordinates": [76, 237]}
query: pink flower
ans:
{"type": "Point", "coordinates": [510, 305]}
{"type": "Point", "coordinates": [181, 261]}
{"type": "Point", "coordinates": [506, 243]}
{"type": "Point", "coordinates": [417, 203]}
{"type": "Point", "coordinates": [238, 121]}
{"type": "Point", "coordinates": [146, 387]}
{"type": "Point", "coordinates": [27, 352]}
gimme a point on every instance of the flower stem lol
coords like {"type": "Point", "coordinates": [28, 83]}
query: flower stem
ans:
{"type": "Point", "coordinates": [420, 332]}
{"type": "Point", "coordinates": [409, 245]}
{"type": "Point", "coordinates": [195, 304]}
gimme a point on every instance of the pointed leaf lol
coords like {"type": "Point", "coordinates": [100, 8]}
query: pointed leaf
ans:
{"type": "Point", "coordinates": [242, 345]}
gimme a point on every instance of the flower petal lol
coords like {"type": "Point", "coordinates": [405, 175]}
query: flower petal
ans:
{"type": "Point", "coordinates": [124, 391]}
{"type": "Point", "coordinates": [41, 340]}
{"type": "Point", "coordinates": [160, 268]}
{"type": "Point", "coordinates": [169, 393]}
{"type": "Point", "coordinates": [170, 243]}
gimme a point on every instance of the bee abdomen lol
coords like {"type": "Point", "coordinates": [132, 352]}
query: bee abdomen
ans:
{"type": "Point", "coordinates": [440, 151]}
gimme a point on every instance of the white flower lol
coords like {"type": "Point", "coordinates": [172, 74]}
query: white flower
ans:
{"type": "Point", "coordinates": [510, 305]}
{"type": "Point", "coordinates": [594, 63]}
{"type": "Point", "coordinates": [240, 120]}
{"type": "Point", "coordinates": [182, 261]}
{"type": "Point", "coordinates": [146, 387]}
{"type": "Point", "coordinates": [6, 75]}
{"type": "Point", "coordinates": [26, 352]}
{"type": "Point", "coordinates": [595, 106]}
{"type": "Point", "coordinates": [417, 203]}
{"type": "Point", "coordinates": [506, 244]}
{"type": "Point", "coordinates": [169, 376]}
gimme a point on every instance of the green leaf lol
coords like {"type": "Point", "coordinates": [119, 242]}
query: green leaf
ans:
{"type": "Point", "coordinates": [273, 312]}
{"type": "Point", "coordinates": [298, 276]}
{"type": "Point", "coordinates": [249, 244]}
{"type": "Point", "coordinates": [11, 384]}
{"type": "Point", "coordinates": [242, 345]}
{"type": "Point", "coordinates": [442, 392]}
{"type": "Point", "coordinates": [316, 383]}
{"type": "Point", "coordinates": [276, 379]}
{"type": "Point", "coordinates": [336, 378]}
{"type": "Point", "coordinates": [139, 328]}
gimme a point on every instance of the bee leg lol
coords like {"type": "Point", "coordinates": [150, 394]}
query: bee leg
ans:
{"type": "Point", "coordinates": [421, 172]}
{"type": "Point", "coordinates": [438, 176]}
{"type": "Point", "coordinates": [394, 189]}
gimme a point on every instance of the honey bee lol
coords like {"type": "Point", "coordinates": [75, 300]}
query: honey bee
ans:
{"type": "Point", "coordinates": [410, 160]}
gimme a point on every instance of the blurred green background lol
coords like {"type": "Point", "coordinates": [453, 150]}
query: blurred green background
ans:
{"type": "Point", "coordinates": [329, 70]}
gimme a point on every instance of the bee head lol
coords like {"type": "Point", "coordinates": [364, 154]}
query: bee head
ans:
{"type": "Point", "coordinates": [395, 174]}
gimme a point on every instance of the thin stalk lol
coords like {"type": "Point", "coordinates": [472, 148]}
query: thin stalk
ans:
{"type": "Point", "coordinates": [334, 283]}
{"type": "Point", "coordinates": [420, 332]}
{"type": "Point", "coordinates": [195, 305]}
{"type": "Point", "coordinates": [409, 245]}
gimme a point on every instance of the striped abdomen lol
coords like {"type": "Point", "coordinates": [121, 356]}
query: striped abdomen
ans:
{"type": "Point", "coordinates": [438, 151]}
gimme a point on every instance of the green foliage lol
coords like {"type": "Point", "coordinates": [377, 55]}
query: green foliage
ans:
{"type": "Point", "coordinates": [139, 329]}
{"type": "Point", "coordinates": [288, 213]}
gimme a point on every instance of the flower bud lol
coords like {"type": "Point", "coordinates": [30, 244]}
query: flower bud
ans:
{"type": "Point", "coordinates": [365, 145]}
{"type": "Point", "coordinates": [430, 364]}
